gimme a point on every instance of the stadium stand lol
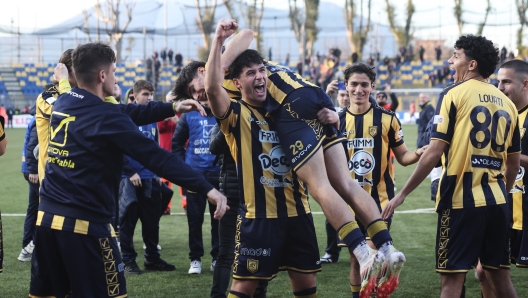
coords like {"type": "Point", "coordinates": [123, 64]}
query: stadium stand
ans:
{"type": "Point", "coordinates": [32, 77]}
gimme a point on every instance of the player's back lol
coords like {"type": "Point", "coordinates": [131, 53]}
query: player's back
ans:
{"type": "Point", "coordinates": [479, 123]}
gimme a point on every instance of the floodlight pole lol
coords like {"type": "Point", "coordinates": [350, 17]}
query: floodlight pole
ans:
{"type": "Point", "coordinates": [166, 21]}
{"type": "Point", "coordinates": [303, 41]}
{"type": "Point", "coordinates": [144, 44]}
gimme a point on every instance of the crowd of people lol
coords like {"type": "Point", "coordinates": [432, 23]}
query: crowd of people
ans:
{"type": "Point", "coordinates": [266, 137]}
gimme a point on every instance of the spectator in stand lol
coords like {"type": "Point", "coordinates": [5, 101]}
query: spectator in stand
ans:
{"type": "Point", "coordinates": [432, 78]}
{"type": "Point", "coordinates": [26, 110]}
{"type": "Point", "coordinates": [438, 51]}
{"type": "Point", "coordinates": [10, 114]}
{"type": "Point", "coordinates": [511, 56]}
{"type": "Point", "coordinates": [503, 55]}
{"type": "Point", "coordinates": [154, 54]}
{"type": "Point", "coordinates": [421, 53]}
{"type": "Point", "coordinates": [270, 54]}
{"type": "Point", "coordinates": [178, 61]}
{"type": "Point", "coordinates": [17, 110]}
{"type": "Point", "coordinates": [30, 171]}
{"type": "Point", "coordinates": [195, 129]}
{"type": "Point", "coordinates": [157, 66]}
{"type": "Point", "coordinates": [149, 69]}
{"type": "Point", "coordinates": [163, 55]}
{"type": "Point", "coordinates": [382, 98]}
{"type": "Point", "coordinates": [355, 57]}
{"type": "Point", "coordinates": [170, 55]}
{"type": "Point", "coordinates": [287, 59]}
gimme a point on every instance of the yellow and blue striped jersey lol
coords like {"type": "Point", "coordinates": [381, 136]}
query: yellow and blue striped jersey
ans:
{"type": "Point", "coordinates": [268, 186]}
{"type": "Point", "coordinates": [518, 197]}
{"type": "Point", "coordinates": [2, 132]}
{"type": "Point", "coordinates": [281, 81]}
{"type": "Point", "coordinates": [479, 125]}
{"type": "Point", "coordinates": [370, 136]}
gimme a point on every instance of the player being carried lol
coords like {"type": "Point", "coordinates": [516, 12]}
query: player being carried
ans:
{"type": "Point", "coordinates": [294, 105]}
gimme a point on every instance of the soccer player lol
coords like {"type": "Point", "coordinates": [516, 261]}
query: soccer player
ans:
{"type": "Point", "coordinates": [3, 138]}
{"type": "Point", "coordinates": [477, 137]}
{"type": "Point", "coordinates": [76, 253]}
{"type": "Point", "coordinates": [371, 132]}
{"type": "Point", "coordinates": [513, 82]}
{"type": "Point", "coordinates": [309, 147]}
{"type": "Point", "coordinates": [275, 229]}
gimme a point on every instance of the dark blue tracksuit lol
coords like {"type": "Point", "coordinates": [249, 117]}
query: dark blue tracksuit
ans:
{"type": "Point", "coordinates": [197, 130]}
{"type": "Point", "coordinates": [76, 254]}
{"type": "Point", "coordinates": [30, 166]}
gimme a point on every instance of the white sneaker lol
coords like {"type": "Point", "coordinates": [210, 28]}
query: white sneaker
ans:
{"type": "Point", "coordinates": [196, 267]}
{"type": "Point", "coordinates": [213, 264]}
{"type": "Point", "coordinates": [24, 256]}
{"type": "Point", "coordinates": [29, 248]}
{"type": "Point", "coordinates": [145, 247]}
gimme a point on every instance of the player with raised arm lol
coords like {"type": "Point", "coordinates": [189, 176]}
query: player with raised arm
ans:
{"type": "Point", "coordinates": [473, 214]}
{"type": "Point", "coordinates": [88, 138]}
{"type": "Point", "coordinates": [302, 141]}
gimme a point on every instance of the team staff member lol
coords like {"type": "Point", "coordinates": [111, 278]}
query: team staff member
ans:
{"type": "Point", "coordinates": [473, 215]}
{"type": "Point", "coordinates": [275, 229]}
{"type": "Point", "coordinates": [372, 132]}
{"type": "Point", "coordinates": [513, 82]}
{"type": "Point", "coordinates": [308, 136]}
{"type": "Point", "coordinates": [78, 198]}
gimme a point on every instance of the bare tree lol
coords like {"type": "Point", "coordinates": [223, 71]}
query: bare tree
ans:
{"type": "Point", "coordinates": [252, 13]}
{"type": "Point", "coordinates": [403, 35]}
{"type": "Point", "coordinates": [230, 8]}
{"type": "Point", "coordinates": [522, 6]}
{"type": "Point", "coordinates": [458, 15]}
{"type": "Point", "coordinates": [86, 18]}
{"type": "Point", "coordinates": [481, 25]}
{"type": "Point", "coordinates": [206, 23]}
{"type": "Point", "coordinates": [109, 14]}
{"type": "Point", "coordinates": [307, 16]}
{"type": "Point", "coordinates": [357, 38]}
{"type": "Point", "coordinates": [312, 14]}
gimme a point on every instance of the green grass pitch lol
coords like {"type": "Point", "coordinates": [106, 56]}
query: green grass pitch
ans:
{"type": "Point", "coordinates": [414, 234]}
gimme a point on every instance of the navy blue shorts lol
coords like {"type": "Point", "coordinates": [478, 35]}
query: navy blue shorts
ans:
{"type": "Point", "coordinates": [300, 132]}
{"type": "Point", "coordinates": [467, 235]}
{"type": "Point", "coordinates": [76, 265]}
{"type": "Point", "coordinates": [519, 248]}
{"type": "Point", "coordinates": [263, 246]}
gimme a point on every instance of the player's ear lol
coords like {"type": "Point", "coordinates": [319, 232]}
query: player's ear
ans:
{"type": "Point", "coordinates": [101, 75]}
{"type": "Point", "coordinates": [237, 83]}
{"type": "Point", "coordinates": [525, 84]}
{"type": "Point", "coordinates": [473, 64]}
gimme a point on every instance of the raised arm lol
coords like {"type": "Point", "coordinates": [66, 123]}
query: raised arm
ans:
{"type": "Point", "coordinates": [214, 76]}
{"type": "Point", "coordinates": [236, 46]}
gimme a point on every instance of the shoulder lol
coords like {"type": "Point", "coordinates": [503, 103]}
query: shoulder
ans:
{"type": "Point", "coordinates": [382, 110]}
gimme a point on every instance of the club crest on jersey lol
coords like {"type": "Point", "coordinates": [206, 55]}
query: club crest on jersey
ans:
{"type": "Point", "coordinates": [252, 265]}
{"type": "Point", "coordinates": [520, 174]}
{"type": "Point", "coordinates": [362, 163]}
{"type": "Point", "coordinates": [373, 131]}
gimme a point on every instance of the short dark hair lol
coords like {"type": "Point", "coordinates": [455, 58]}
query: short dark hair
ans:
{"type": "Point", "coordinates": [519, 66]}
{"type": "Point", "coordinates": [89, 59]}
{"type": "Point", "coordinates": [66, 59]}
{"type": "Point", "coordinates": [360, 68]}
{"type": "Point", "coordinates": [187, 74]}
{"type": "Point", "coordinates": [248, 58]}
{"type": "Point", "coordinates": [482, 50]}
{"type": "Point", "coordinates": [143, 84]}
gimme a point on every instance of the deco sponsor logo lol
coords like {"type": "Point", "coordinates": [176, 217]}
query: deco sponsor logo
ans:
{"type": "Point", "coordinates": [361, 163]}
{"type": "Point", "coordinates": [275, 161]}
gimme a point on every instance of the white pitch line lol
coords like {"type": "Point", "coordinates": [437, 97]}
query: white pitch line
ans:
{"type": "Point", "coordinates": [418, 211]}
